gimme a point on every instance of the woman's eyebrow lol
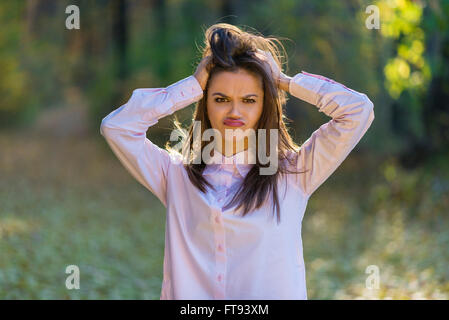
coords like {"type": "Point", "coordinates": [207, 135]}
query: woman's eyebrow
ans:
{"type": "Point", "coordinates": [222, 94]}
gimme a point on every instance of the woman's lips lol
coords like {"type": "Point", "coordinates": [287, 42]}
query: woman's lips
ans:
{"type": "Point", "coordinates": [233, 123]}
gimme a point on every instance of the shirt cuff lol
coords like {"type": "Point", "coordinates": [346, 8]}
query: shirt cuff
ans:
{"type": "Point", "coordinates": [305, 87]}
{"type": "Point", "coordinates": [184, 92]}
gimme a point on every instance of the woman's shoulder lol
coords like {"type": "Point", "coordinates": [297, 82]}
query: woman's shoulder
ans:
{"type": "Point", "coordinates": [176, 158]}
{"type": "Point", "coordinates": [290, 157]}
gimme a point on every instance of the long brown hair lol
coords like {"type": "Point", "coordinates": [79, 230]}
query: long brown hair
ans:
{"type": "Point", "coordinates": [232, 48]}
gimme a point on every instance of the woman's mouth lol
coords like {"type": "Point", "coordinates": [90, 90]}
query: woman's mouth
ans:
{"type": "Point", "coordinates": [233, 123]}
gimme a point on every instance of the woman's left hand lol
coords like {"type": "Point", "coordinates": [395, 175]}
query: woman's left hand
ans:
{"type": "Point", "coordinates": [281, 79]}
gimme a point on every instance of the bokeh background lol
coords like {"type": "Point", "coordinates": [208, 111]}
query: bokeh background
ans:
{"type": "Point", "coordinates": [66, 200]}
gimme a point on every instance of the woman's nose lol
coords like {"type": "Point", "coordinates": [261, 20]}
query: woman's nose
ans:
{"type": "Point", "coordinates": [235, 110]}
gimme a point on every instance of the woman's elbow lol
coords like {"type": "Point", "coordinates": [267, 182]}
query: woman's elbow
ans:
{"type": "Point", "coordinates": [369, 109]}
{"type": "Point", "coordinates": [105, 128]}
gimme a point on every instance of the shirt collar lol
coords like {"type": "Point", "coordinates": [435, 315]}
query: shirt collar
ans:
{"type": "Point", "coordinates": [235, 163]}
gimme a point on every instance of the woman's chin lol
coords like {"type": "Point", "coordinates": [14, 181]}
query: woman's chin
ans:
{"type": "Point", "coordinates": [234, 127]}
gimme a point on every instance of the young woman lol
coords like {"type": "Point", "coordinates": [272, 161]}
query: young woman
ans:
{"type": "Point", "coordinates": [220, 242]}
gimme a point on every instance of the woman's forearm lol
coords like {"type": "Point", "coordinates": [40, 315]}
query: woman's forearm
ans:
{"type": "Point", "coordinates": [352, 113]}
{"type": "Point", "coordinates": [284, 82]}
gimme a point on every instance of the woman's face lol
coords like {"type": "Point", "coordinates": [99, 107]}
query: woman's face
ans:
{"type": "Point", "coordinates": [235, 100]}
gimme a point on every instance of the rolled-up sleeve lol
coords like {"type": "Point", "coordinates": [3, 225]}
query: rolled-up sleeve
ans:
{"type": "Point", "coordinates": [125, 131]}
{"type": "Point", "coordinates": [352, 113]}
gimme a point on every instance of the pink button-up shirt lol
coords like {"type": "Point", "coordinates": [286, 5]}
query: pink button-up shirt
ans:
{"type": "Point", "coordinates": [211, 252]}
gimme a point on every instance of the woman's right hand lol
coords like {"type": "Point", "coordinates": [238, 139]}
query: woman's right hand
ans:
{"type": "Point", "coordinates": [202, 73]}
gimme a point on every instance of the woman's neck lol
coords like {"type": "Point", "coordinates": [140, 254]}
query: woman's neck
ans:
{"type": "Point", "coordinates": [232, 148]}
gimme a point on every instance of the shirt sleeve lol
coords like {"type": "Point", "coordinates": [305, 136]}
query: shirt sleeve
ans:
{"type": "Point", "coordinates": [352, 113]}
{"type": "Point", "coordinates": [125, 131]}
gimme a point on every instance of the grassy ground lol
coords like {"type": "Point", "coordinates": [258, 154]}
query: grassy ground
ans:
{"type": "Point", "coordinates": [69, 201]}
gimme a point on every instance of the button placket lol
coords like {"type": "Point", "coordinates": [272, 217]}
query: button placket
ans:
{"type": "Point", "coordinates": [221, 196]}
{"type": "Point", "coordinates": [220, 255]}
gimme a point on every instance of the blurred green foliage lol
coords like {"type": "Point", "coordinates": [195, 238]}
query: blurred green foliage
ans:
{"type": "Point", "coordinates": [14, 81]}
{"type": "Point", "coordinates": [402, 19]}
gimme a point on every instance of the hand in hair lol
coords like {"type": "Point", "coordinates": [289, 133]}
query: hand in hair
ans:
{"type": "Point", "coordinates": [202, 72]}
{"type": "Point", "coordinates": [281, 79]}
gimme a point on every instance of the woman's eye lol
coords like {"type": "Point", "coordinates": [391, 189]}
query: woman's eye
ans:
{"type": "Point", "coordinates": [245, 100]}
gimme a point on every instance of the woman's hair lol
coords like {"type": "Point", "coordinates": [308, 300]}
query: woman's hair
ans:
{"type": "Point", "coordinates": [231, 49]}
